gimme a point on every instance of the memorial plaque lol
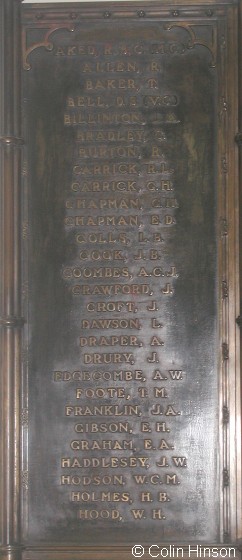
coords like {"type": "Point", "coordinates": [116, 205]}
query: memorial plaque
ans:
{"type": "Point", "coordinates": [129, 277]}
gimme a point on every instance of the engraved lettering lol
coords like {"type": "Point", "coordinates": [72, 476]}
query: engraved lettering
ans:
{"type": "Point", "coordinates": [93, 514]}
{"type": "Point", "coordinates": [102, 410]}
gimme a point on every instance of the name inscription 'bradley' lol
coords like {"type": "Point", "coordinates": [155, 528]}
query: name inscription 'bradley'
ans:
{"type": "Point", "coordinates": [129, 135]}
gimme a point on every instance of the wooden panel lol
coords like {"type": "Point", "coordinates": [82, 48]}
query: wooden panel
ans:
{"type": "Point", "coordinates": [130, 383]}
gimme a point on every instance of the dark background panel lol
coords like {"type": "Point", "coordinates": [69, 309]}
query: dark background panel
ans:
{"type": "Point", "coordinates": [190, 315]}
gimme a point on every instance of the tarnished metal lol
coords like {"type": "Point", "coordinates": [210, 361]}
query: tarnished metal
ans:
{"type": "Point", "coordinates": [129, 280]}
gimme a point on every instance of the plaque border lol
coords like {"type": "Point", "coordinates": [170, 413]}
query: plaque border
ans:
{"type": "Point", "coordinates": [14, 478]}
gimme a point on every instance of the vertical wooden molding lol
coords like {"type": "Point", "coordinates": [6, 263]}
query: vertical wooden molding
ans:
{"type": "Point", "coordinates": [240, 202]}
{"type": "Point", "coordinates": [238, 139]}
{"type": "Point", "coordinates": [10, 296]}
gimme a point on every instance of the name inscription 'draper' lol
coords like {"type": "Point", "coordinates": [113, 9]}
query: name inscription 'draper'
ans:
{"type": "Point", "coordinates": [125, 364]}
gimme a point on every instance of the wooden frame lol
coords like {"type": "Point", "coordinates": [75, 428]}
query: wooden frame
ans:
{"type": "Point", "coordinates": [14, 479]}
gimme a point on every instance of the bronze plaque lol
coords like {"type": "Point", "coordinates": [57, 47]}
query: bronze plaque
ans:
{"type": "Point", "coordinates": [129, 224]}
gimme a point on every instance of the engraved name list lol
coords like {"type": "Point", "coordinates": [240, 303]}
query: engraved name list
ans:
{"type": "Point", "coordinates": [125, 192]}
{"type": "Point", "coordinates": [121, 210]}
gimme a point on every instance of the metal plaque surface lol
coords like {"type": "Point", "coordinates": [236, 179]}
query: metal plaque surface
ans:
{"type": "Point", "coordinates": [127, 118]}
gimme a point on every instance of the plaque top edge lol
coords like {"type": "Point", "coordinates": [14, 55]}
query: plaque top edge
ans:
{"type": "Point", "coordinates": [99, 4]}
{"type": "Point", "coordinates": [41, 14]}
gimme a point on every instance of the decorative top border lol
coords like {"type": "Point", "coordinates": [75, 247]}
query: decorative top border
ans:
{"type": "Point", "coordinates": [74, 11]}
{"type": "Point", "coordinates": [51, 18]}
{"type": "Point", "coordinates": [189, 27]}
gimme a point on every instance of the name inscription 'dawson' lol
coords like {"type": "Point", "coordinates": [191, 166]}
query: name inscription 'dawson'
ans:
{"type": "Point", "coordinates": [133, 213]}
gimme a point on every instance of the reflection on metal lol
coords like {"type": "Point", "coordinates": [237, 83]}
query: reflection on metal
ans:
{"type": "Point", "coordinates": [121, 387]}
